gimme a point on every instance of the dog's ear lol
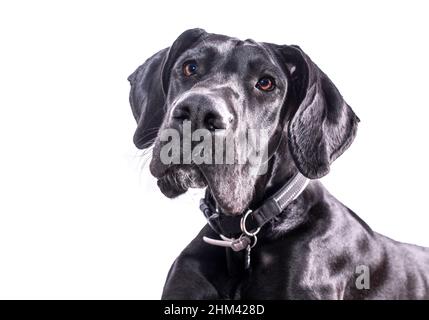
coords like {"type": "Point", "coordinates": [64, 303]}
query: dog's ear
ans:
{"type": "Point", "coordinates": [323, 125]}
{"type": "Point", "coordinates": [149, 87]}
{"type": "Point", "coordinates": [147, 99]}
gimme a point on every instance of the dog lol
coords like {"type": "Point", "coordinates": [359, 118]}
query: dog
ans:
{"type": "Point", "coordinates": [314, 247]}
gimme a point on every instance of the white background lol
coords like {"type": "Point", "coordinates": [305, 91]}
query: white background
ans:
{"type": "Point", "coordinates": [80, 216]}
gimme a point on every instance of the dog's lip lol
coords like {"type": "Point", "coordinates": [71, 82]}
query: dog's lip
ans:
{"type": "Point", "coordinates": [158, 169]}
{"type": "Point", "coordinates": [164, 173]}
{"type": "Point", "coordinates": [171, 170]}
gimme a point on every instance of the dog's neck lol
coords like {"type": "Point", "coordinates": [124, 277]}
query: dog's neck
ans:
{"type": "Point", "coordinates": [283, 211]}
{"type": "Point", "coordinates": [297, 212]}
{"type": "Point", "coordinates": [282, 170]}
{"type": "Point", "coordinates": [281, 174]}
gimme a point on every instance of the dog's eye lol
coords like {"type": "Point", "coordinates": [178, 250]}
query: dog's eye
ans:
{"type": "Point", "coordinates": [266, 84]}
{"type": "Point", "coordinates": [190, 68]}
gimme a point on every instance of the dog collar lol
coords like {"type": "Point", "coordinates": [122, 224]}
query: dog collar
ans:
{"type": "Point", "coordinates": [237, 232]}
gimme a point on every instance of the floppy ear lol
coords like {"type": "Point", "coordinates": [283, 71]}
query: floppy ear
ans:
{"type": "Point", "coordinates": [324, 125]}
{"type": "Point", "coordinates": [149, 87]}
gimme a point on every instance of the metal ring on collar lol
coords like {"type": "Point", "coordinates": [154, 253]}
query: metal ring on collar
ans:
{"type": "Point", "coordinates": [255, 240]}
{"type": "Point", "coordinates": [243, 225]}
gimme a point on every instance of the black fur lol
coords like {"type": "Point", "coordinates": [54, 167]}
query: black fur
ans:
{"type": "Point", "coordinates": [312, 249]}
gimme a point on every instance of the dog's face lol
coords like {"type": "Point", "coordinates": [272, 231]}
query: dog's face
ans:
{"type": "Point", "coordinates": [222, 87]}
{"type": "Point", "coordinates": [225, 86]}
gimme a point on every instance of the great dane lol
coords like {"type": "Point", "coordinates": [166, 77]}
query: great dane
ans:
{"type": "Point", "coordinates": [311, 246]}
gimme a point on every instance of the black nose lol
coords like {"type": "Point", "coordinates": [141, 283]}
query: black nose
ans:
{"type": "Point", "coordinates": [202, 113]}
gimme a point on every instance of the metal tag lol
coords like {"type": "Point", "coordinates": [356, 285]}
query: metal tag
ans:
{"type": "Point", "coordinates": [247, 257]}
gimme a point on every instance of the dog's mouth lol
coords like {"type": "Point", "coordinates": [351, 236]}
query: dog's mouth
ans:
{"type": "Point", "coordinates": [177, 179]}
{"type": "Point", "coordinates": [226, 187]}
{"type": "Point", "coordinates": [231, 185]}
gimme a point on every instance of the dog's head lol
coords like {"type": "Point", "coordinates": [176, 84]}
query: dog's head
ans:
{"type": "Point", "coordinates": [216, 88]}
